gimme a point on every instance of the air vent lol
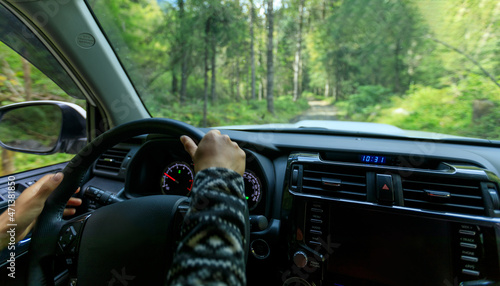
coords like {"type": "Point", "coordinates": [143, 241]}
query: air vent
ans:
{"type": "Point", "coordinates": [111, 160]}
{"type": "Point", "coordinates": [334, 181]}
{"type": "Point", "coordinates": [458, 196]}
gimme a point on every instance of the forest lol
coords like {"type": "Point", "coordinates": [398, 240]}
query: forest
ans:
{"type": "Point", "coordinates": [422, 65]}
{"type": "Point", "coordinates": [428, 65]}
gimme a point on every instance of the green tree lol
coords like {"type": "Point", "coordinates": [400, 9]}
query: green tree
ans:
{"type": "Point", "coordinates": [270, 66]}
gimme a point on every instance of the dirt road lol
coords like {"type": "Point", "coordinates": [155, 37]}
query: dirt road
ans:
{"type": "Point", "coordinates": [318, 110]}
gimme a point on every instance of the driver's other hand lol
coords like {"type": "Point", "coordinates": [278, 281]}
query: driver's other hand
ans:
{"type": "Point", "coordinates": [215, 150]}
{"type": "Point", "coordinates": [28, 207]}
{"type": "Point", "coordinates": [72, 202]}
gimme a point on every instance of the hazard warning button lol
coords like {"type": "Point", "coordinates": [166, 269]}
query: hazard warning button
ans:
{"type": "Point", "coordinates": [385, 190]}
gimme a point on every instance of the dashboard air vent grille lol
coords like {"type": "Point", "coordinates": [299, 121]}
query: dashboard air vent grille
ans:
{"type": "Point", "coordinates": [334, 181]}
{"type": "Point", "coordinates": [458, 196]}
{"type": "Point", "coordinates": [111, 160]}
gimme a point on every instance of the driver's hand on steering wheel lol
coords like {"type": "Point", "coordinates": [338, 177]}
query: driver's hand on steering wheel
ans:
{"type": "Point", "coordinates": [28, 207]}
{"type": "Point", "coordinates": [215, 150]}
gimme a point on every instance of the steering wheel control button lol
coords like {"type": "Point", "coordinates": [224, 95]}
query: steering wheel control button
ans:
{"type": "Point", "coordinates": [385, 189]}
{"type": "Point", "coordinates": [68, 237]}
{"type": "Point", "coordinates": [300, 259]}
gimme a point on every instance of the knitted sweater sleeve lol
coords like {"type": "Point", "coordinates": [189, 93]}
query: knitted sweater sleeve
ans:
{"type": "Point", "coordinates": [214, 232]}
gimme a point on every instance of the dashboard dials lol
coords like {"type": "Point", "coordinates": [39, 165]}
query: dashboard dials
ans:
{"type": "Point", "coordinates": [253, 189]}
{"type": "Point", "coordinates": [177, 179]}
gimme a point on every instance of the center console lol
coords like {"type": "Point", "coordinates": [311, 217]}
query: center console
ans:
{"type": "Point", "coordinates": [358, 223]}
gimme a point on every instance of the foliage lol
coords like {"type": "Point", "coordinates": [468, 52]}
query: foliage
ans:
{"type": "Point", "coordinates": [24, 162]}
{"type": "Point", "coordinates": [367, 98]}
{"type": "Point", "coordinates": [447, 110]}
{"type": "Point", "coordinates": [237, 113]}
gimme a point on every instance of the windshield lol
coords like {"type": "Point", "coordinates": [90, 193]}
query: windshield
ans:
{"type": "Point", "coordinates": [418, 65]}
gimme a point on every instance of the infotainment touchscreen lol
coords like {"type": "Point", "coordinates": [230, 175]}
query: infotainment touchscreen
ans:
{"type": "Point", "coordinates": [388, 249]}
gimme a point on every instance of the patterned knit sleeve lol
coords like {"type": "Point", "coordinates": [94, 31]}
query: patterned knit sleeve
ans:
{"type": "Point", "coordinates": [214, 232]}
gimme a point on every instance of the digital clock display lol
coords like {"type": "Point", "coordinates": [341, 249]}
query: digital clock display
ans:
{"type": "Point", "coordinates": [373, 159]}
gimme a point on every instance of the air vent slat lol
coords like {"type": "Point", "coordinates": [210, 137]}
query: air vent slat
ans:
{"type": "Point", "coordinates": [468, 197]}
{"type": "Point", "coordinates": [464, 197]}
{"type": "Point", "coordinates": [334, 181]}
{"type": "Point", "coordinates": [111, 160]}
{"type": "Point", "coordinates": [445, 205]}
{"type": "Point", "coordinates": [321, 191]}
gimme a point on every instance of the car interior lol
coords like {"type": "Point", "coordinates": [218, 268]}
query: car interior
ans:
{"type": "Point", "coordinates": [326, 208]}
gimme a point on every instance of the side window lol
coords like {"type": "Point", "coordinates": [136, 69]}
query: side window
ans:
{"type": "Point", "coordinates": [21, 81]}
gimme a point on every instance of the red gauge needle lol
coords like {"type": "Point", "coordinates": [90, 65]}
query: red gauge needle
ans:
{"type": "Point", "coordinates": [169, 176]}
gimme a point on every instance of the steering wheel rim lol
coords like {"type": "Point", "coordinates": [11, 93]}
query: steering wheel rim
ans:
{"type": "Point", "coordinates": [43, 244]}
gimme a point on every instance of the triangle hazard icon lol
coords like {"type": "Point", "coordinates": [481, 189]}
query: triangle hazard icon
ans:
{"type": "Point", "coordinates": [385, 187]}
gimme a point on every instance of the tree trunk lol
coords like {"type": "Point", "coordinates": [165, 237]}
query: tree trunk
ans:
{"type": "Point", "coordinates": [205, 92]}
{"type": "Point", "coordinates": [174, 83]}
{"type": "Point", "coordinates": [298, 47]}
{"type": "Point", "coordinates": [264, 88]}
{"type": "Point", "coordinates": [261, 91]}
{"type": "Point", "coordinates": [238, 92]}
{"type": "Point", "coordinates": [323, 10]}
{"type": "Point", "coordinates": [7, 162]}
{"type": "Point", "coordinates": [27, 78]}
{"type": "Point", "coordinates": [213, 68]}
{"type": "Point", "coordinates": [270, 67]}
{"type": "Point", "coordinates": [184, 55]}
{"type": "Point", "coordinates": [184, 78]}
{"type": "Point", "coordinates": [327, 88]}
{"type": "Point", "coordinates": [233, 80]}
{"type": "Point", "coordinates": [301, 76]}
{"type": "Point", "coordinates": [397, 80]}
{"type": "Point", "coordinates": [252, 52]}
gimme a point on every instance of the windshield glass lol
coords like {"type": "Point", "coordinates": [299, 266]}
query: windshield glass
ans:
{"type": "Point", "coordinates": [418, 65]}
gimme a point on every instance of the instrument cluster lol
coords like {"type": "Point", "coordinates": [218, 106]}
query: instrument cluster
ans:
{"type": "Point", "coordinates": [170, 171]}
{"type": "Point", "coordinates": [178, 176]}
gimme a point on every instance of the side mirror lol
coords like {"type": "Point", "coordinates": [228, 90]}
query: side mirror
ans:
{"type": "Point", "coordinates": [43, 127]}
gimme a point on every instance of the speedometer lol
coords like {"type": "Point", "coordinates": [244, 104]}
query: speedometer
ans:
{"type": "Point", "coordinates": [253, 189]}
{"type": "Point", "coordinates": [177, 179]}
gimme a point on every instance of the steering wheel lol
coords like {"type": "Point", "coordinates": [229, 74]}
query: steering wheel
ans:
{"type": "Point", "coordinates": [127, 243]}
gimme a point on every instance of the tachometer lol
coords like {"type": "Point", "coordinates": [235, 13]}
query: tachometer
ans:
{"type": "Point", "coordinates": [177, 179]}
{"type": "Point", "coordinates": [253, 189]}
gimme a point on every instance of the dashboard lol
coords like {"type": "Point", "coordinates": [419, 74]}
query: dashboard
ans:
{"type": "Point", "coordinates": [339, 210]}
{"type": "Point", "coordinates": [348, 210]}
